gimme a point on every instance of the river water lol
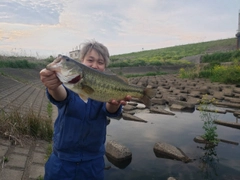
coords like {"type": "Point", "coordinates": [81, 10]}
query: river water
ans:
{"type": "Point", "coordinates": [217, 163]}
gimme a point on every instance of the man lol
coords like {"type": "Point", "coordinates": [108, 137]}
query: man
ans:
{"type": "Point", "coordinates": [80, 128]}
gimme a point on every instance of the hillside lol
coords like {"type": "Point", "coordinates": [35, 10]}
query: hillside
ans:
{"type": "Point", "coordinates": [172, 55]}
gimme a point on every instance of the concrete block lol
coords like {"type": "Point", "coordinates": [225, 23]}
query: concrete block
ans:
{"type": "Point", "coordinates": [20, 150]}
{"type": "Point", "coordinates": [36, 171]}
{"type": "Point", "coordinates": [5, 142]}
{"type": "Point", "coordinates": [17, 160]}
{"type": "Point", "coordinates": [10, 174]}
{"type": "Point", "coordinates": [3, 151]}
{"type": "Point", "coordinates": [38, 158]}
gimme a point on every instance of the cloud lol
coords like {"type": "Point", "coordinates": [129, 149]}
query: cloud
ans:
{"type": "Point", "coordinates": [30, 12]}
{"type": "Point", "coordinates": [123, 26]}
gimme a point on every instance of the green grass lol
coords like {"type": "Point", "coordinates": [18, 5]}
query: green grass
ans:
{"type": "Point", "coordinates": [17, 64]}
{"type": "Point", "coordinates": [220, 57]}
{"type": "Point", "coordinates": [168, 55]}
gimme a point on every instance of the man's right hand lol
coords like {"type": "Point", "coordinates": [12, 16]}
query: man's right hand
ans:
{"type": "Point", "coordinates": [53, 84]}
{"type": "Point", "coordinates": [49, 79]}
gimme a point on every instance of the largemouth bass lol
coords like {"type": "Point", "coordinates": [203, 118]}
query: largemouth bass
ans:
{"type": "Point", "coordinates": [90, 83]}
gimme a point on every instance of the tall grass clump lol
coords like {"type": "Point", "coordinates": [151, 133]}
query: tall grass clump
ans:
{"type": "Point", "coordinates": [190, 73]}
{"type": "Point", "coordinates": [226, 74]}
{"type": "Point", "coordinates": [208, 116]}
{"type": "Point", "coordinates": [17, 125]}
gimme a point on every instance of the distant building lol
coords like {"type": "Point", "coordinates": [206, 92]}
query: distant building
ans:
{"type": "Point", "coordinates": [75, 53]}
{"type": "Point", "coordinates": [238, 32]}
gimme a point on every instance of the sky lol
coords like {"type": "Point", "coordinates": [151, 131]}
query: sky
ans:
{"type": "Point", "coordinates": [50, 27]}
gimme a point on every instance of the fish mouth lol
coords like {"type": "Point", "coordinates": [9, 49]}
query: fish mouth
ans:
{"type": "Point", "coordinates": [75, 80]}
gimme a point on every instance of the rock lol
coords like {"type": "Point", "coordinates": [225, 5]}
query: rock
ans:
{"type": "Point", "coordinates": [227, 92]}
{"type": "Point", "coordinates": [195, 93]}
{"type": "Point", "coordinates": [117, 151]}
{"type": "Point", "coordinates": [199, 139]}
{"type": "Point", "coordinates": [141, 106]}
{"type": "Point", "coordinates": [188, 105]}
{"type": "Point", "coordinates": [158, 101]}
{"type": "Point", "coordinates": [236, 90]}
{"type": "Point", "coordinates": [129, 112]}
{"type": "Point", "coordinates": [220, 111]}
{"type": "Point", "coordinates": [129, 107]}
{"type": "Point", "coordinates": [193, 100]}
{"type": "Point", "coordinates": [171, 178]}
{"type": "Point", "coordinates": [176, 107]}
{"type": "Point", "coordinates": [160, 111]}
{"type": "Point", "coordinates": [164, 150]}
{"type": "Point", "coordinates": [225, 104]}
{"type": "Point", "coordinates": [204, 89]}
{"type": "Point", "coordinates": [236, 114]}
{"type": "Point", "coordinates": [130, 117]}
{"type": "Point", "coordinates": [132, 103]}
{"type": "Point", "coordinates": [228, 124]}
{"type": "Point", "coordinates": [218, 95]}
{"type": "Point", "coordinates": [233, 100]}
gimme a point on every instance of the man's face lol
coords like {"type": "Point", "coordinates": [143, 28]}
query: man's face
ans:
{"type": "Point", "coordinates": [94, 60]}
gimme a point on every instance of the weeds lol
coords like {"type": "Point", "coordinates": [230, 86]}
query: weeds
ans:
{"type": "Point", "coordinates": [40, 177]}
{"type": "Point", "coordinates": [49, 151]}
{"type": "Point", "coordinates": [208, 118]}
{"type": "Point", "coordinates": [17, 64]}
{"type": "Point", "coordinates": [190, 73]}
{"type": "Point", "coordinates": [215, 72]}
{"type": "Point", "coordinates": [16, 125]}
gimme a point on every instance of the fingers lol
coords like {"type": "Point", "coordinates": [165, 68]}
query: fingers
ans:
{"type": "Point", "coordinates": [49, 79]}
{"type": "Point", "coordinates": [122, 102]}
{"type": "Point", "coordinates": [128, 98]}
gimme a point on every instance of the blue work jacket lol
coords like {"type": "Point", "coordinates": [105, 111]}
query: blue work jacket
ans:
{"type": "Point", "coordinates": [80, 128]}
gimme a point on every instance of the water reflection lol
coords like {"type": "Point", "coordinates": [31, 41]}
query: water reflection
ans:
{"type": "Point", "coordinates": [209, 162]}
{"type": "Point", "coordinates": [119, 164]}
{"type": "Point", "coordinates": [180, 131]}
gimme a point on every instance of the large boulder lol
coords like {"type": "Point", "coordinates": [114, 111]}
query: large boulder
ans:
{"type": "Point", "coordinates": [168, 151]}
{"type": "Point", "coordinates": [117, 151]}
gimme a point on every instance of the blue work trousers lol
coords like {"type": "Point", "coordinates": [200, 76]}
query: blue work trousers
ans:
{"type": "Point", "coordinates": [57, 169]}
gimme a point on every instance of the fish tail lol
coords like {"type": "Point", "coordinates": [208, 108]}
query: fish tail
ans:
{"type": "Point", "coordinates": [147, 95]}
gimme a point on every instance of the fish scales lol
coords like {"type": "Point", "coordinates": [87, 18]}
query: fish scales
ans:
{"type": "Point", "coordinates": [108, 86]}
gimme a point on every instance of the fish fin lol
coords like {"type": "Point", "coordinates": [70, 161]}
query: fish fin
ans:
{"type": "Point", "coordinates": [87, 89]}
{"type": "Point", "coordinates": [123, 78]}
{"type": "Point", "coordinates": [85, 92]}
{"type": "Point", "coordinates": [147, 95]}
{"type": "Point", "coordinates": [83, 97]}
